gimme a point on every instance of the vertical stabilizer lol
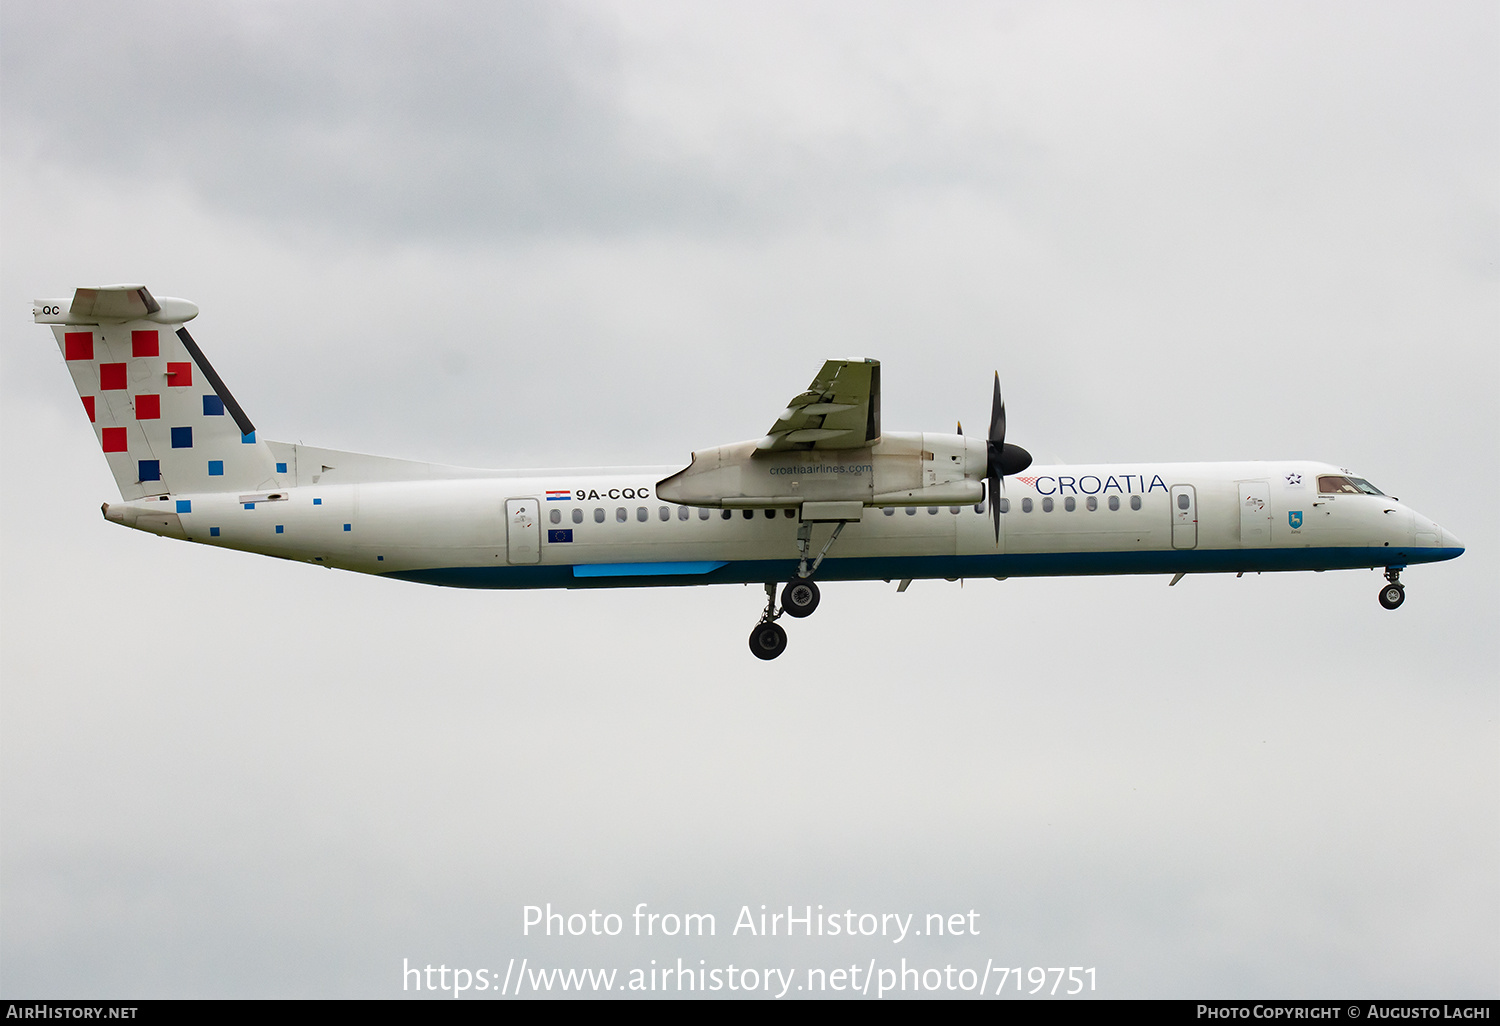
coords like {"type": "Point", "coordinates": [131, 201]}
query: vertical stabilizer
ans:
{"type": "Point", "coordinates": [163, 417]}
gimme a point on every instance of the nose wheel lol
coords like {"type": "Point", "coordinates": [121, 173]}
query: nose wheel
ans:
{"type": "Point", "coordinates": [1392, 594]}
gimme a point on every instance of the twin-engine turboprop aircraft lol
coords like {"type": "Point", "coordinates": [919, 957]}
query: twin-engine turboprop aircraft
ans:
{"type": "Point", "coordinates": [827, 494]}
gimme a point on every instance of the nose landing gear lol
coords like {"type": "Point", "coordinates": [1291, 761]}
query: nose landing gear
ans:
{"type": "Point", "coordinates": [1392, 594]}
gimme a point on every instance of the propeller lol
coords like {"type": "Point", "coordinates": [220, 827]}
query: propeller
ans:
{"type": "Point", "coordinates": [1002, 459]}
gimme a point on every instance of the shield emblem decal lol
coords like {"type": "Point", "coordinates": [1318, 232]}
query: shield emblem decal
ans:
{"type": "Point", "coordinates": [1294, 518]}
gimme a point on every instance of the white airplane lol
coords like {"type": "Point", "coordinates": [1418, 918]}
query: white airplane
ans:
{"type": "Point", "coordinates": [826, 493]}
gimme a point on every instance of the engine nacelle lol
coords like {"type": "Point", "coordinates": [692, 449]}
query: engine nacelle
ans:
{"type": "Point", "coordinates": [922, 469]}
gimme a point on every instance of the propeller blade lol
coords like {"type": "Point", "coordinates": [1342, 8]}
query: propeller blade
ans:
{"type": "Point", "coordinates": [994, 483]}
{"type": "Point", "coordinates": [997, 416]}
{"type": "Point", "coordinates": [1001, 457]}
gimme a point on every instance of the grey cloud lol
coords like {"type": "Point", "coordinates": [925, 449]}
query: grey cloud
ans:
{"type": "Point", "coordinates": [460, 120]}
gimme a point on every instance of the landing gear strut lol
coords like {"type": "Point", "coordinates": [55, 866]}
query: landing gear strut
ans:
{"type": "Point", "coordinates": [1392, 594]}
{"type": "Point", "coordinates": [768, 639]}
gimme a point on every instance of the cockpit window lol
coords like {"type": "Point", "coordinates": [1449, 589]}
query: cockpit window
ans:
{"type": "Point", "coordinates": [1335, 484]}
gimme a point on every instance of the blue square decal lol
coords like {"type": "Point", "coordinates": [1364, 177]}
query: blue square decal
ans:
{"type": "Point", "coordinates": [348, 527]}
{"type": "Point", "coordinates": [565, 535]}
{"type": "Point", "coordinates": [281, 468]}
{"type": "Point", "coordinates": [280, 529]}
{"type": "Point", "coordinates": [215, 468]}
{"type": "Point", "coordinates": [184, 505]}
{"type": "Point", "coordinates": [213, 532]}
{"type": "Point", "coordinates": [150, 470]}
{"type": "Point", "coordinates": [317, 502]}
{"type": "Point", "coordinates": [182, 438]}
{"type": "Point", "coordinates": [248, 439]}
{"type": "Point", "coordinates": [249, 505]}
{"type": "Point", "coordinates": [213, 406]}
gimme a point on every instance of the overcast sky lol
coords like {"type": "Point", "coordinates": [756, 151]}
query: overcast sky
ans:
{"type": "Point", "coordinates": [547, 234]}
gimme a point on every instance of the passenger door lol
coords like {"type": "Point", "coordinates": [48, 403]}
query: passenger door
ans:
{"type": "Point", "coordinates": [523, 529]}
{"type": "Point", "coordinates": [1184, 517]}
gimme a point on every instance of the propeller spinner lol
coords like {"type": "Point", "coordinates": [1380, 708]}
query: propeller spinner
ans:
{"type": "Point", "coordinates": [1003, 459]}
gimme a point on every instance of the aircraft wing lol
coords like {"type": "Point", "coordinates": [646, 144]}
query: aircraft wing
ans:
{"type": "Point", "coordinates": [839, 410]}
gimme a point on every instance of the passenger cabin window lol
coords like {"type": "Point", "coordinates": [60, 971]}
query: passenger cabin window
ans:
{"type": "Point", "coordinates": [1070, 504]}
{"type": "Point", "coordinates": [748, 514]}
{"type": "Point", "coordinates": [704, 514]}
{"type": "Point", "coordinates": [1026, 505]}
{"type": "Point", "coordinates": [642, 514]}
{"type": "Point", "coordinates": [665, 514]}
{"type": "Point", "coordinates": [725, 514]}
{"type": "Point", "coordinates": [1135, 502]}
{"type": "Point", "coordinates": [577, 516]}
{"type": "Point", "coordinates": [933, 510]}
{"type": "Point", "coordinates": [620, 514]}
{"type": "Point", "coordinates": [1004, 506]}
{"type": "Point", "coordinates": [1183, 502]}
{"type": "Point", "coordinates": [555, 516]}
{"type": "Point", "coordinates": [599, 515]}
{"type": "Point", "coordinates": [1114, 502]}
{"type": "Point", "coordinates": [770, 514]}
{"type": "Point", "coordinates": [1335, 484]}
{"type": "Point", "coordinates": [682, 512]}
{"type": "Point", "coordinates": [911, 511]}
{"type": "Point", "coordinates": [1093, 504]}
{"type": "Point", "coordinates": [889, 511]}
{"type": "Point", "coordinates": [1047, 505]}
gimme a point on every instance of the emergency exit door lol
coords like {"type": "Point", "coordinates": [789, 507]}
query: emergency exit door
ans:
{"type": "Point", "coordinates": [1255, 514]}
{"type": "Point", "coordinates": [1184, 517]}
{"type": "Point", "coordinates": [523, 530]}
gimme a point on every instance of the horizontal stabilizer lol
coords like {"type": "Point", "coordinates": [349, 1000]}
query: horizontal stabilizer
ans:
{"type": "Point", "coordinates": [105, 304]}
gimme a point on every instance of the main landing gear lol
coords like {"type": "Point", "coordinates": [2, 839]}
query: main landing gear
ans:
{"type": "Point", "coordinates": [1392, 594]}
{"type": "Point", "coordinates": [798, 598]}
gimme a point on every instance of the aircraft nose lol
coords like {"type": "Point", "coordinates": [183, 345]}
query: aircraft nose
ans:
{"type": "Point", "coordinates": [1449, 540]}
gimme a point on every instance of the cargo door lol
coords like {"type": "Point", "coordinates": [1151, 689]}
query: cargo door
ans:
{"type": "Point", "coordinates": [1255, 514]}
{"type": "Point", "coordinates": [1184, 517]}
{"type": "Point", "coordinates": [523, 529]}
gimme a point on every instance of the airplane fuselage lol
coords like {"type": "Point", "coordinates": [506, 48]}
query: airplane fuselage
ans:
{"type": "Point", "coordinates": [605, 527]}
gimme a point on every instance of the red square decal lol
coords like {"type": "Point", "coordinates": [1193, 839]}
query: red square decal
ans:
{"type": "Point", "coordinates": [78, 345]}
{"type": "Point", "coordinates": [114, 440]}
{"type": "Point", "coordinates": [148, 407]}
{"type": "Point", "coordinates": [179, 374]}
{"type": "Point", "coordinates": [144, 343]}
{"type": "Point", "coordinates": [88, 404]}
{"type": "Point", "coordinates": [111, 376]}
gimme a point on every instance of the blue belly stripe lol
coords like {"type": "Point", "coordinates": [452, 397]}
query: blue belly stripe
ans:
{"type": "Point", "coordinates": [894, 568]}
{"type": "Point", "coordinates": [647, 569]}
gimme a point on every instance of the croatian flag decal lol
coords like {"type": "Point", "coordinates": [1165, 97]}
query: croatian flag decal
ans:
{"type": "Point", "coordinates": [556, 495]}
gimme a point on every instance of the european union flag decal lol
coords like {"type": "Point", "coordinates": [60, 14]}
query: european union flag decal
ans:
{"type": "Point", "coordinates": [1294, 518]}
{"type": "Point", "coordinates": [565, 535]}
